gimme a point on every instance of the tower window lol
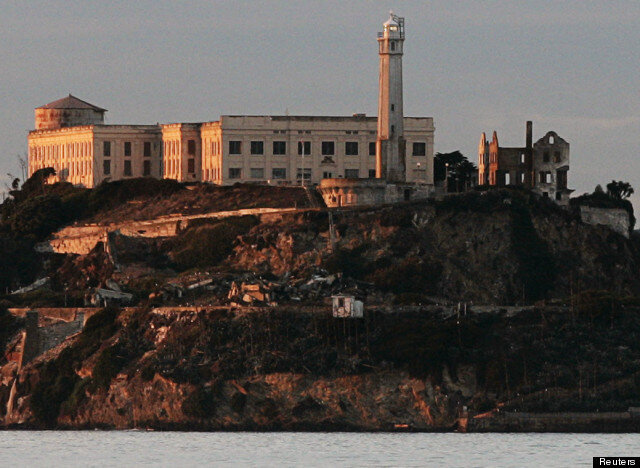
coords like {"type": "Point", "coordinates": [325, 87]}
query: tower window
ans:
{"type": "Point", "coordinates": [393, 46]}
{"type": "Point", "coordinates": [191, 147]}
{"type": "Point", "coordinates": [191, 166]}
{"type": "Point", "coordinates": [419, 148]}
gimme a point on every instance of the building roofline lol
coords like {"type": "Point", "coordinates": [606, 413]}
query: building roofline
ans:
{"type": "Point", "coordinates": [71, 102]}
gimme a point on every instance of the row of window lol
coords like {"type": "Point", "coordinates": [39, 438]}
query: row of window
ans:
{"type": "Point", "coordinates": [327, 148]}
{"type": "Point", "coordinates": [127, 170]}
{"type": "Point", "coordinates": [146, 149]}
{"type": "Point", "coordinates": [280, 173]}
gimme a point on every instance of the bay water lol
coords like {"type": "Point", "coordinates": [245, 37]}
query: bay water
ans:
{"type": "Point", "coordinates": [186, 449]}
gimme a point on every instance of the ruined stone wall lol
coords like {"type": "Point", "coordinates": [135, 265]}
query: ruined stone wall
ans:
{"type": "Point", "coordinates": [41, 335]}
{"type": "Point", "coordinates": [615, 218]}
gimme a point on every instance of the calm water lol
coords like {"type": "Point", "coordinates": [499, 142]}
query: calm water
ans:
{"type": "Point", "coordinates": [178, 449]}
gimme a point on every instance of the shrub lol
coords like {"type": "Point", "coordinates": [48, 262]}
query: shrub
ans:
{"type": "Point", "coordinates": [199, 404]}
{"type": "Point", "coordinates": [109, 363]}
{"type": "Point", "coordinates": [207, 242]}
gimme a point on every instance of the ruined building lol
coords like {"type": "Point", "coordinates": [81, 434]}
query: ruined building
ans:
{"type": "Point", "coordinates": [70, 135]}
{"type": "Point", "coordinates": [541, 166]}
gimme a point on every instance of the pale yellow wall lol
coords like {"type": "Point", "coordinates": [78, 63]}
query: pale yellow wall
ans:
{"type": "Point", "coordinates": [77, 153]}
{"type": "Point", "coordinates": [317, 130]}
{"type": "Point", "coordinates": [175, 141]}
{"type": "Point", "coordinates": [211, 136]}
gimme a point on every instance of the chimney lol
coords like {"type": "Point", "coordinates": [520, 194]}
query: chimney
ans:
{"type": "Point", "coordinates": [529, 134]}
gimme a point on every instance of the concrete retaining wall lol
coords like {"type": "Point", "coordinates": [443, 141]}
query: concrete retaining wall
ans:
{"type": "Point", "coordinates": [82, 239]}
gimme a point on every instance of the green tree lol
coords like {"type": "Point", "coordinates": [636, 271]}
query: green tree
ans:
{"type": "Point", "coordinates": [456, 167]}
{"type": "Point", "coordinates": [619, 190]}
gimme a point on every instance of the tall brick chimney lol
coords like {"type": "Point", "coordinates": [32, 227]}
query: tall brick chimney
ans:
{"type": "Point", "coordinates": [530, 179]}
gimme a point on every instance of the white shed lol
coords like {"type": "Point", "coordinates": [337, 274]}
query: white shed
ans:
{"type": "Point", "coordinates": [347, 307]}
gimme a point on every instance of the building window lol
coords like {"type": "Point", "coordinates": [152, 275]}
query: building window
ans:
{"type": "Point", "coordinates": [328, 148]}
{"type": "Point", "coordinates": [146, 168]}
{"type": "Point", "coordinates": [545, 157]}
{"type": "Point", "coordinates": [557, 157]}
{"type": "Point", "coordinates": [106, 149]}
{"type": "Point", "coordinates": [306, 172]}
{"type": "Point", "coordinates": [522, 158]}
{"type": "Point", "coordinates": [327, 175]}
{"type": "Point", "coordinates": [393, 129]}
{"type": "Point", "coordinates": [419, 149]}
{"type": "Point", "coordinates": [127, 148]}
{"type": "Point", "coordinates": [551, 140]}
{"type": "Point", "coordinates": [106, 167]}
{"type": "Point", "coordinates": [257, 173]}
{"type": "Point", "coordinates": [191, 166]}
{"type": "Point", "coordinates": [235, 172]}
{"type": "Point", "coordinates": [547, 177]}
{"type": "Point", "coordinates": [558, 196]}
{"type": "Point", "coordinates": [393, 107]}
{"type": "Point", "coordinates": [257, 147]}
{"type": "Point", "coordinates": [279, 147]}
{"type": "Point", "coordinates": [351, 148]}
{"type": "Point", "coordinates": [541, 174]}
{"type": "Point", "coordinates": [127, 168]}
{"type": "Point", "coordinates": [304, 147]}
{"type": "Point", "coordinates": [278, 173]}
{"type": "Point", "coordinates": [147, 149]}
{"type": "Point", "coordinates": [372, 173]}
{"type": "Point", "coordinates": [372, 148]}
{"type": "Point", "coordinates": [235, 147]}
{"type": "Point", "coordinates": [351, 173]}
{"type": "Point", "coordinates": [191, 147]}
{"type": "Point", "coordinates": [393, 46]}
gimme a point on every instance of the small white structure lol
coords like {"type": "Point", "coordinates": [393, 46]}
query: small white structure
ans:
{"type": "Point", "coordinates": [347, 307]}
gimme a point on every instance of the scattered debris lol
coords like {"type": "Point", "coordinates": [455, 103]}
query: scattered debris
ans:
{"type": "Point", "coordinates": [42, 283]}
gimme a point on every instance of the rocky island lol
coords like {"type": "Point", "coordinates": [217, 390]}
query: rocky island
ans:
{"type": "Point", "coordinates": [152, 304]}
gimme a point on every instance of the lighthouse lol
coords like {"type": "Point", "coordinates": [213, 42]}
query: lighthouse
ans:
{"type": "Point", "coordinates": [390, 142]}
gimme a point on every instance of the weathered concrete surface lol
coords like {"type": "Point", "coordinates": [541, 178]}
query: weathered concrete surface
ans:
{"type": "Point", "coordinates": [614, 218]}
{"type": "Point", "coordinates": [82, 239]}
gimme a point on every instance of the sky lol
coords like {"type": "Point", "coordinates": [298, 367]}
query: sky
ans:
{"type": "Point", "coordinates": [570, 66]}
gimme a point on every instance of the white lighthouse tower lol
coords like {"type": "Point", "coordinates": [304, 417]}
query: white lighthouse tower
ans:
{"type": "Point", "coordinates": [390, 144]}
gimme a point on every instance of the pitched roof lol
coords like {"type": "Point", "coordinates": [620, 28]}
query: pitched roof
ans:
{"type": "Point", "coordinates": [71, 102]}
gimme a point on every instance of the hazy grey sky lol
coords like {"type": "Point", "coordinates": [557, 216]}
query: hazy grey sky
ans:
{"type": "Point", "coordinates": [570, 66]}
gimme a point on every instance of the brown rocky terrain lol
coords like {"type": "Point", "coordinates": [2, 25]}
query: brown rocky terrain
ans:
{"type": "Point", "coordinates": [570, 344]}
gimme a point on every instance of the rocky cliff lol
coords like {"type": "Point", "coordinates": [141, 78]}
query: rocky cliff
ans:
{"type": "Point", "coordinates": [551, 322]}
